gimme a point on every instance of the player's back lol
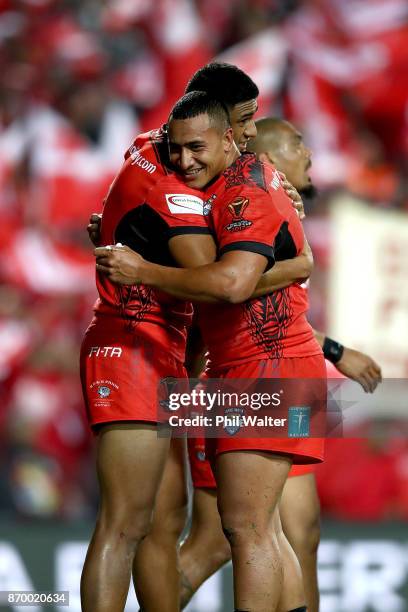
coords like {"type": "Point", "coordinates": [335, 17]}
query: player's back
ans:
{"type": "Point", "coordinates": [143, 167]}
{"type": "Point", "coordinates": [130, 217]}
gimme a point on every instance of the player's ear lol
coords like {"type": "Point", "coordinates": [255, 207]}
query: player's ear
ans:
{"type": "Point", "coordinates": [228, 140]}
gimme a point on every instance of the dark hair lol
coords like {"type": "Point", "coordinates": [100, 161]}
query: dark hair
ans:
{"type": "Point", "coordinates": [199, 103]}
{"type": "Point", "coordinates": [224, 81]}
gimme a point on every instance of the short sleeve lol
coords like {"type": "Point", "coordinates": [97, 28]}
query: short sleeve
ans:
{"type": "Point", "coordinates": [246, 219]}
{"type": "Point", "coordinates": [181, 210]}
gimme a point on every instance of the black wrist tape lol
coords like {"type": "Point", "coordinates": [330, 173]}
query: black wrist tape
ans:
{"type": "Point", "coordinates": [332, 350]}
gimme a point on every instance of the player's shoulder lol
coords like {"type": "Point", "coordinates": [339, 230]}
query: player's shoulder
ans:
{"type": "Point", "coordinates": [171, 192]}
{"type": "Point", "coordinates": [246, 173]}
{"type": "Point", "coordinates": [149, 151]}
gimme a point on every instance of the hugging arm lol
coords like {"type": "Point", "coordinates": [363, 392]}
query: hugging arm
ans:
{"type": "Point", "coordinates": [231, 279]}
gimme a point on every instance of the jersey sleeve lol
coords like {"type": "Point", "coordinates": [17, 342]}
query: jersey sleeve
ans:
{"type": "Point", "coordinates": [180, 210]}
{"type": "Point", "coordinates": [247, 220]}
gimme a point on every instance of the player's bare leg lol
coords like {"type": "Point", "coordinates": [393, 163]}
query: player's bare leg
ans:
{"type": "Point", "coordinates": [293, 593]}
{"type": "Point", "coordinates": [206, 549]}
{"type": "Point", "coordinates": [155, 569]}
{"type": "Point", "coordinates": [130, 463]}
{"type": "Point", "coordinates": [249, 488]}
{"type": "Point", "coordinates": [300, 515]}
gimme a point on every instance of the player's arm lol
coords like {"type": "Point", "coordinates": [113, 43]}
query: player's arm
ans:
{"type": "Point", "coordinates": [231, 279]}
{"type": "Point", "coordinates": [354, 364]}
{"type": "Point", "coordinates": [244, 254]}
{"type": "Point", "coordinates": [240, 250]}
{"type": "Point", "coordinates": [192, 251]}
{"type": "Point", "coordinates": [287, 272]}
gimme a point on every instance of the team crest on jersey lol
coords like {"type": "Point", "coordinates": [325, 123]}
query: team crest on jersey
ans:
{"type": "Point", "coordinates": [233, 420]}
{"type": "Point", "coordinates": [104, 391]}
{"type": "Point", "coordinates": [237, 208]}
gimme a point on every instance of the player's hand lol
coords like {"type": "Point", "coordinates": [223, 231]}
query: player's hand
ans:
{"type": "Point", "coordinates": [307, 255]}
{"type": "Point", "coordinates": [293, 195]}
{"type": "Point", "coordinates": [119, 263]}
{"type": "Point", "coordinates": [94, 228]}
{"type": "Point", "coordinates": [361, 368]}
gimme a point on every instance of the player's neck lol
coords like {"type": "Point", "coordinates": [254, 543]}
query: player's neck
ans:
{"type": "Point", "coordinates": [229, 159]}
{"type": "Point", "coordinates": [232, 156]}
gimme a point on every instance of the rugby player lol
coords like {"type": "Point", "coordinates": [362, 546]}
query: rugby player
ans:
{"type": "Point", "coordinates": [273, 333]}
{"type": "Point", "coordinates": [125, 353]}
{"type": "Point", "coordinates": [206, 549]}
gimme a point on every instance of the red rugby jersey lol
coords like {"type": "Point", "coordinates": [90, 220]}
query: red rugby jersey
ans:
{"type": "Point", "coordinates": [146, 205]}
{"type": "Point", "coordinates": [251, 211]}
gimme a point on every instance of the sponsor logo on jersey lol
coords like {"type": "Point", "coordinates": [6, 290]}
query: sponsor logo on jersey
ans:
{"type": "Point", "coordinates": [201, 455]}
{"type": "Point", "coordinates": [237, 208]}
{"type": "Point", "coordinates": [275, 182]}
{"type": "Point", "coordinates": [139, 160]}
{"type": "Point", "coordinates": [299, 422]}
{"type": "Point", "coordinates": [184, 204]}
{"type": "Point", "coordinates": [105, 351]}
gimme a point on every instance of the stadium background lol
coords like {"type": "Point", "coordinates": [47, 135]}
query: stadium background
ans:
{"type": "Point", "coordinates": [78, 80]}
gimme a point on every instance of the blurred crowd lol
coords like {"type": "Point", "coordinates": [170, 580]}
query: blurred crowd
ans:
{"type": "Point", "coordinates": [79, 78]}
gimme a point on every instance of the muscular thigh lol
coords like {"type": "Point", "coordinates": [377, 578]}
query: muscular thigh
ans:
{"type": "Point", "coordinates": [171, 504]}
{"type": "Point", "coordinates": [250, 483]}
{"type": "Point", "coordinates": [130, 464]}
